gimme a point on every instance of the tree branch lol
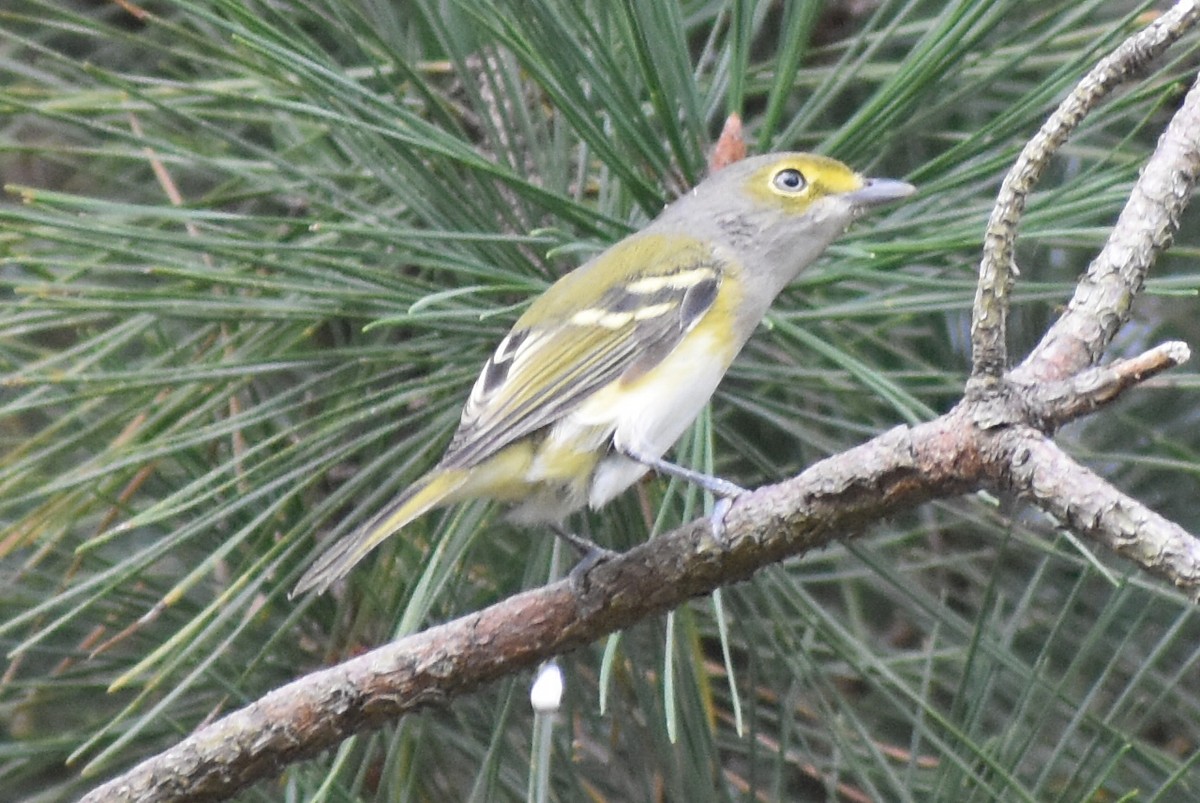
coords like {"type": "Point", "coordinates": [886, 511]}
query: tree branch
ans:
{"type": "Point", "coordinates": [832, 500]}
{"type": "Point", "coordinates": [997, 270]}
{"type": "Point", "coordinates": [1089, 506]}
{"type": "Point", "coordinates": [1053, 403]}
{"type": "Point", "coordinates": [1104, 296]}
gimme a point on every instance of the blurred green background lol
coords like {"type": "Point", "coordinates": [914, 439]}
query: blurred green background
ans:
{"type": "Point", "coordinates": [252, 255]}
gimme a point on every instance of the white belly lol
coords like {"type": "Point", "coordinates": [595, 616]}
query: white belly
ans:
{"type": "Point", "coordinates": [648, 415]}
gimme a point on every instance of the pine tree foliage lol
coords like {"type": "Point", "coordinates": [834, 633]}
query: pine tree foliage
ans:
{"type": "Point", "coordinates": [253, 253]}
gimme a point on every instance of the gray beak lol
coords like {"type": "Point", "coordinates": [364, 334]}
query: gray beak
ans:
{"type": "Point", "coordinates": [879, 191]}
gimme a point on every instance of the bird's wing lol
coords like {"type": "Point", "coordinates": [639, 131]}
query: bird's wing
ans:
{"type": "Point", "coordinates": [585, 338]}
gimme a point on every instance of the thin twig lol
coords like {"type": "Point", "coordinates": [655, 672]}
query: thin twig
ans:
{"type": "Point", "coordinates": [1104, 297]}
{"type": "Point", "coordinates": [997, 269]}
{"type": "Point", "coordinates": [1056, 402]}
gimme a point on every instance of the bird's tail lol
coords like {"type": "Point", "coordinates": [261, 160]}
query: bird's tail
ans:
{"type": "Point", "coordinates": [430, 491]}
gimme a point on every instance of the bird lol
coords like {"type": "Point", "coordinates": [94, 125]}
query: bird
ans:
{"type": "Point", "coordinates": [607, 368]}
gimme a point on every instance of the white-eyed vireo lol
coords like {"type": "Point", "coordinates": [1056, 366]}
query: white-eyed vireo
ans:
{"type": "Point", "coordinates": [609, 366]}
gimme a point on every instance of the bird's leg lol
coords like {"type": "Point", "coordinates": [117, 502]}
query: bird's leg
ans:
{"type": "Point", "coordinates": [590, 554]}
{"type": "Point", "coordinates": [724, 490]}
{"type": "Point", "coordinates": [714, 485]}
{"type": "Point", "coordinates": [583, 546]}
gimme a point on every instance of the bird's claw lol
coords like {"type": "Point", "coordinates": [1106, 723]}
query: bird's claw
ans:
{"type": "Point", "coordinates": [716, 519]}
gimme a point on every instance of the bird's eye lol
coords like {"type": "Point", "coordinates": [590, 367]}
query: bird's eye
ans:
{"type": "Point", "coordinates": [789, 180]}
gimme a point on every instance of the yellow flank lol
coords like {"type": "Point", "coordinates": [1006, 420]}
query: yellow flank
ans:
{"type": "Point", "coordinates": [515, 469]}
{"type": "Point", "coordinates": [548, 476]}
{"type": "Point", "coordinates": [559, 463]}
{"type": "Point", "coordinates": [503, 476]}
{"type": "Point", "coordinates": [510, 474]}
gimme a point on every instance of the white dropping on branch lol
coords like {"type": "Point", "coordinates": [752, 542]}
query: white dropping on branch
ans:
{"type": "Point", "coordinates": [546, 693]}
